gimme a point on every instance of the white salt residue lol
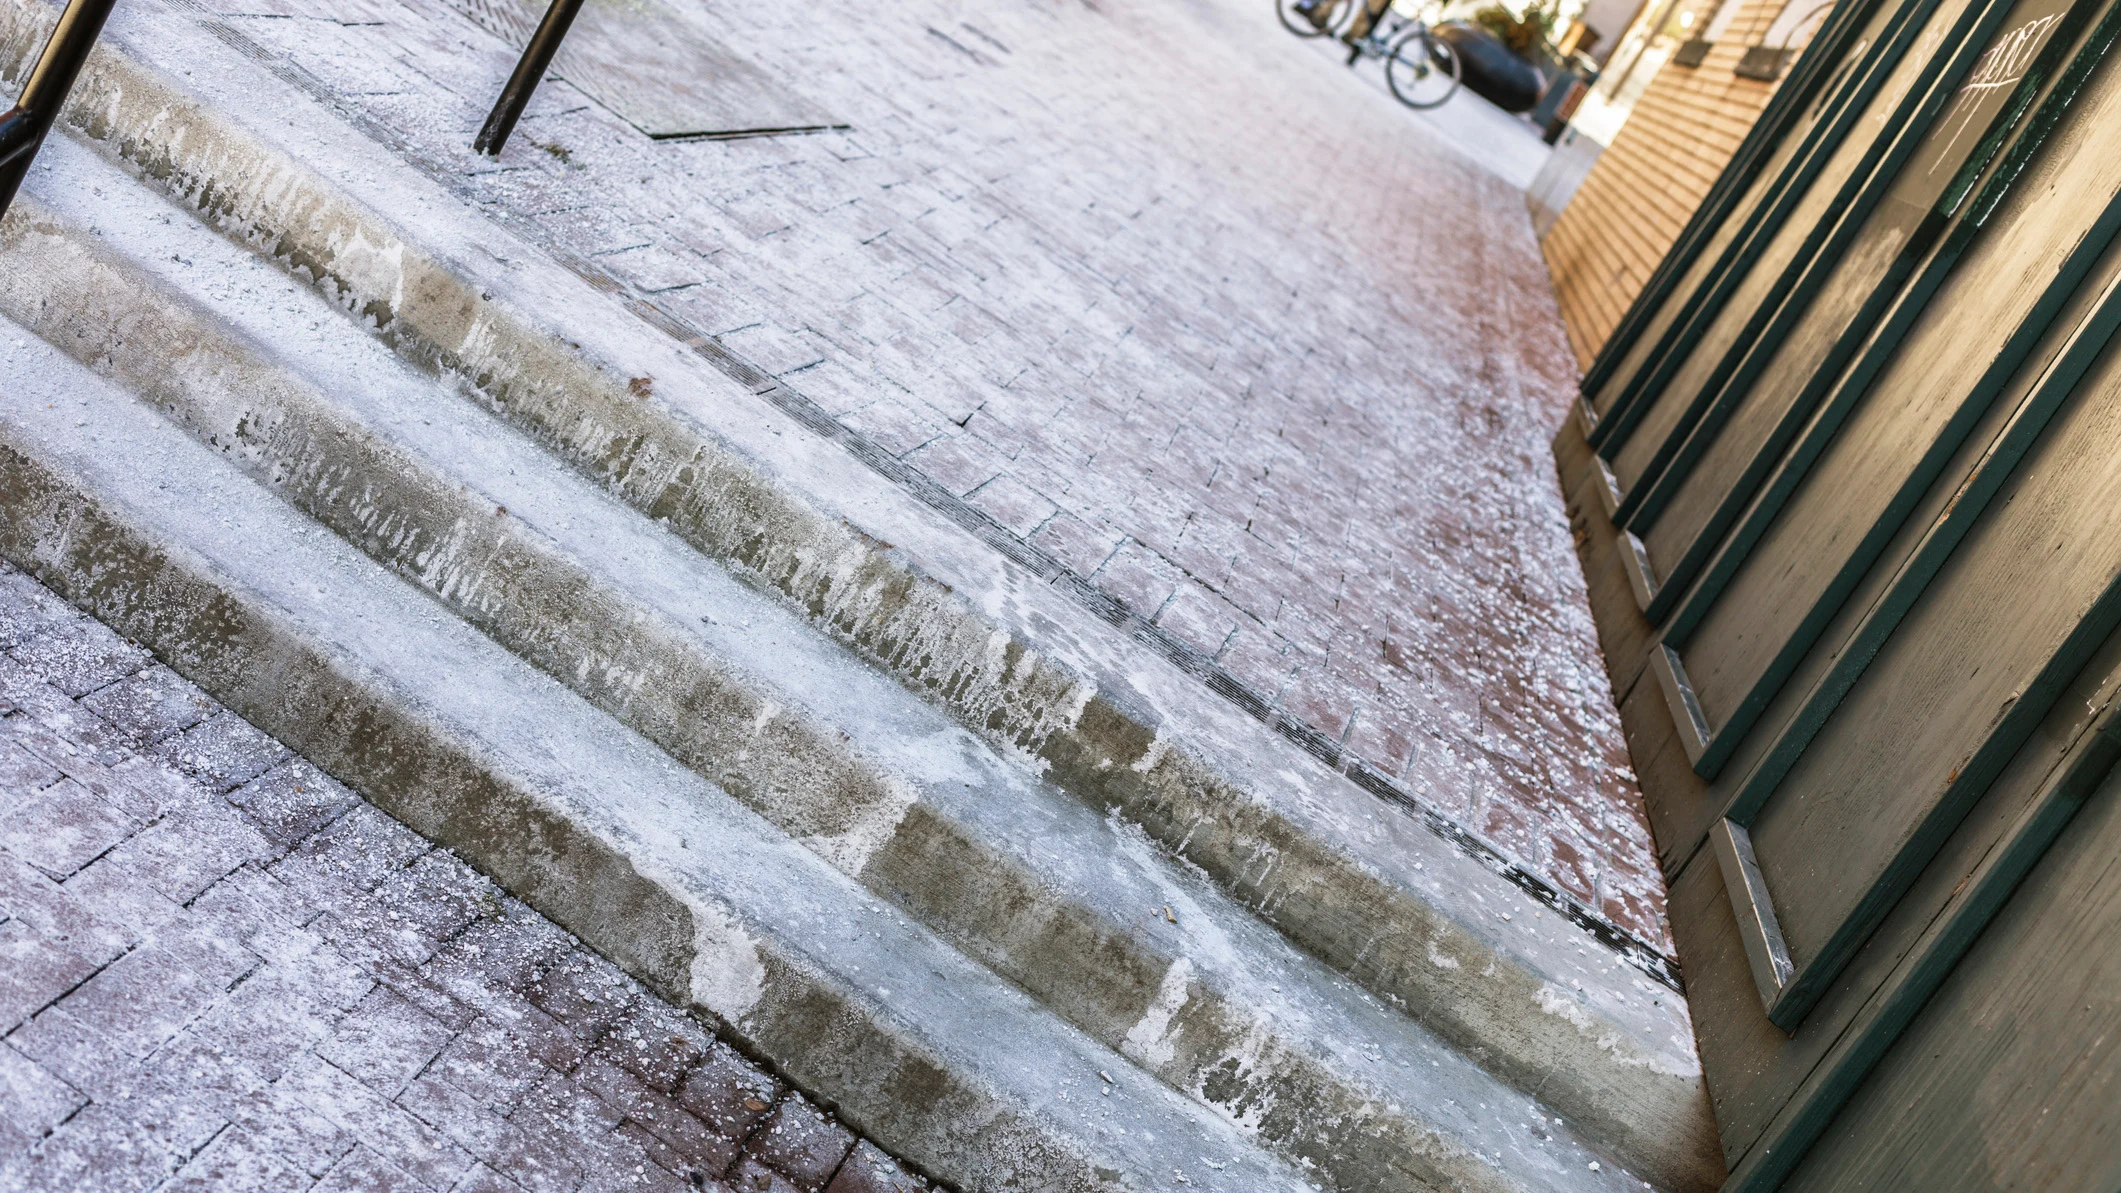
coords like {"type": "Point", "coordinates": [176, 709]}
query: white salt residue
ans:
{"type": "Point", "coordinates": [1158, 747]}
{"type": "Point", "coordinates": [377, 268]}
{"type": "Point", "coordinates": [1565, 1004]}
{"type": "Point", "coordinates": [1150, 1041]}
{"type": "Point", "coordinates": [727, 976]}
{"type": "Point", "coordinates": [1203, 938]}
{"type": "Point", "coordinates": [1248, 1057]}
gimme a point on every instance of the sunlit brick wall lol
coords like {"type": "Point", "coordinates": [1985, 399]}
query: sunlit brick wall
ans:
{"type": "Point", "coordinates": [1649, 180]}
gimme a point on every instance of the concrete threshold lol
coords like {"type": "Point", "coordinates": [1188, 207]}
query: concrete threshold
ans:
{"type": "Point", "coordinates": [1365, 889]}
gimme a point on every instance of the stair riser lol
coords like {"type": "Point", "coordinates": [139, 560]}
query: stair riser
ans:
{"type": "Point", "coordinates": [1402, 949]}
{"type": "Point", "coordinates": [894, 1088]}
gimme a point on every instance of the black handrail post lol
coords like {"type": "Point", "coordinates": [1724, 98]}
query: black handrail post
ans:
{"type": "Point", "coordinates": [23, 126]}
{"type": "Point", "coordinates": [537, 56]}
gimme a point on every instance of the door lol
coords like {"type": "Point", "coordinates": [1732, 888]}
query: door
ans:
{"type": "Point", "coordinates": [1860, 463]}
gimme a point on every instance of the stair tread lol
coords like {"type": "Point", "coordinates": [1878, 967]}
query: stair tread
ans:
{"type": "Point", "coordinates": [542, 292]}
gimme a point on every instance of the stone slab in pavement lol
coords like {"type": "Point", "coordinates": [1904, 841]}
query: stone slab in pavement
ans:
{"type": "Point", "coordinates": [219, 968]}
{"type": "Point", "coordinates": [1199, 314]}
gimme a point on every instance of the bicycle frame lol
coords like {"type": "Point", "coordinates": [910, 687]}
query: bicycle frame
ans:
{"type": "Point", "coordinates": [1389, 27]}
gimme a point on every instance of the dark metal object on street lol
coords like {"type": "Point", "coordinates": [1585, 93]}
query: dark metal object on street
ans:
{"type": "Point", "coordinates": [1563, 93]}
{"type": "Point", "coordinates": [22, 127]}
{"type": "Point", "coordinates": [537, 57]}
{"type": "Point", "coordinates": [1491, 69]}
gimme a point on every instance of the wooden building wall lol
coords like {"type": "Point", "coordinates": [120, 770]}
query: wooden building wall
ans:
{"type": "Point", "coordinates": [1628, 212]}
{"type": "Point", "coordinates": [1843, 489]}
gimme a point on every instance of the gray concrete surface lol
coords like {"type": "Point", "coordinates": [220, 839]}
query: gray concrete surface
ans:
{"type": "Point", "coordinates": [385, 429]}
{"type": "Point", "coordinates": [917, 1046]}
{"type": "Point", "coordinates": [1016, 662]}
{"type": "Point", "coordinates": [1179, 303]}
{"type": "Point", "coordinates": [994, 646]}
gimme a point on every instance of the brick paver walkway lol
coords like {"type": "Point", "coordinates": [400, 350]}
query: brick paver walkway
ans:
{"type": "Point", "coordinates": [1169, 296]}
{"type": "Point", "coordinates": [222, 969]}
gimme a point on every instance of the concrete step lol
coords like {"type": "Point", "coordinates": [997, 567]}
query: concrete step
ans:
{"type": "Point", "coordinates": [684, 886]}
{"type": "Point", "coordinates": [877, 783]}
{"type": "Point", "coordinates": [1372, 892]}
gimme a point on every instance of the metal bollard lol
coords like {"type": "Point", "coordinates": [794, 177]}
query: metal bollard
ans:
{"type": "Point", "coordinates": [537, 56]}
{"type": "Point", "coordinates": [22, 127]}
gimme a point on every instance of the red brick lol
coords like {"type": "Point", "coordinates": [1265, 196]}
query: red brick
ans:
{"type": "Point", "coordinates": [658, 1044]}
{"type": "Point", "coordinates": [868, 1170]}
{"type": "Point", "coordinates": [291, 801]}
{"type": "Point", "coordinates": [751, 1176]}
{"type": "Point", "coordinates": [150, 706]}
{"type": "Point", "coordinates": [1138, 578]}
{"type": "Point", "coordinates": [584, 994]}
{"type": "Point", "coordinates": [729, 1093]}
{"type": "Point", "coordinates": [385, 1041]}
{"type": "Point", "coordinates": [78, 655]}
{"type": "Point", "coordinates": [38, 970]}
{"type": "Point", "coordinates": [236, 1162]}
{"type": "Point", "coordinates": [63, 828]}
{"type": "Point", "coordinates": [801, 1143]}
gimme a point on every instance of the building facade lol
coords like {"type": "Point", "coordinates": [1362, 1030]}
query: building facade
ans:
{"type": "Point", "coordinates": [1702, 95]}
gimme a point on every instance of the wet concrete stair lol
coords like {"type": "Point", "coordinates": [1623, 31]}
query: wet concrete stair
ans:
{"type": "Point", "coordinates": [937, 873]}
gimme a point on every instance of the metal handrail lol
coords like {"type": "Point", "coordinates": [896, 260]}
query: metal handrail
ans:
{"type": "Point", "coordinates": [22, 127]}
{"type": "Point", "coordinates": [537, 56]}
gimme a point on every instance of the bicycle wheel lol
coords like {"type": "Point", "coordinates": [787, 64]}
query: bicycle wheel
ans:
{"type": "Point", "coordinates": [1330, 14]}
{"type": "Point", "coordinates": [1422, 69]}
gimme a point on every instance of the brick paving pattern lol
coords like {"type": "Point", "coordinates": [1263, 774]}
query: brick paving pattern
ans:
{"type": "Point", "coordinates": [221, 969]}
{"type": "Point", "coordinates": [1166, 294]}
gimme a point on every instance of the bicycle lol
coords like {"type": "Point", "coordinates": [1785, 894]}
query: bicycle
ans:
{"type": "Point", "coordinates": [1420, 67]}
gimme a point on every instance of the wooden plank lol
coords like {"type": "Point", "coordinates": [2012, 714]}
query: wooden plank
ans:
{"type": "Point", "coordinates": [2010, 1077]}
{"type": "Point", "coordinates": [1740, 455]}
{"type": "Point", "coordinates": [658, 70]}
{"type": "Point", "coordinates": [1736, 1043]}
{"type": "Point", "coordinates": [1787, 115]}
{"type": "Point", "coordinates": [1916, 89]}
{"type": "Point", "coordinates": [1821, 522]}
{"type": "Point", "coordinates": [1950, 670]}
{"type": "Point", "coordinates": [1766, 954]}
{"type": "Point", "coordinates": [1680, 699]}
{"type": "Point", "coordinates": [1818, 71]}
{"type": "Point", "coordinates": [1623, 635]}
{"type": "Point", "coordinates": [1748, 751]}
{"type": "Point", "coordinates": [1678, 807]}
{"type": "Point", "coordinates": [1767, 1085]}
{"type": "Point", "coordinates": [2034, 825]}
{"type": "Point", "coordinates": [1810, 128]}
{"type": "Point", "coordinates": [1660, 760]}
{"type": "Point", "coordinates": [1831, 311]}
{"type": "Point", "coordinates": [1681, 284]}
{"type": "Point", "coordinates": [1682, 806]}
